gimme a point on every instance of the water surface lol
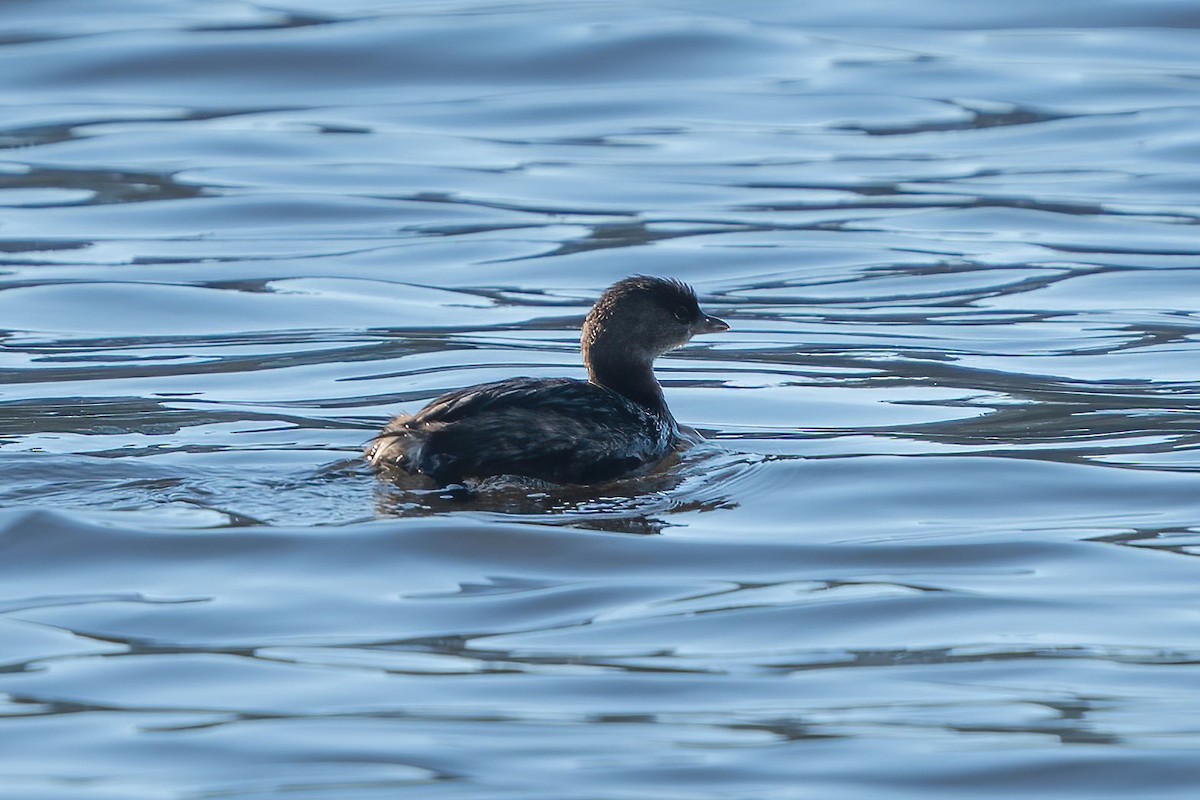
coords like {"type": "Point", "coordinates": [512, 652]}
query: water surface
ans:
{"type": "Point", "coordinates": [941, 541]}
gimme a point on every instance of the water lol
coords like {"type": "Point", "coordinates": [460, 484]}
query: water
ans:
{"type": "Point", "coordinates": [942, 539]}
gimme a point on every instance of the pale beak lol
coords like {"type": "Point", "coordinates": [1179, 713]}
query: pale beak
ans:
{"type": "Point", "coordinates": [708, 324]}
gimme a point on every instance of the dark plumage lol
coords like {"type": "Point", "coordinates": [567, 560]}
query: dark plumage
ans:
{"type": "Point", "coordinates": [559, 429]}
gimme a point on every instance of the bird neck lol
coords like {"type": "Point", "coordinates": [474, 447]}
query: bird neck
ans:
{"type": "Point", "coordinates": [633, 378]}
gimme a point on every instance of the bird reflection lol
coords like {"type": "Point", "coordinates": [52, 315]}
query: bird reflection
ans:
{"type": "Point", "coordinates": [684, 482]}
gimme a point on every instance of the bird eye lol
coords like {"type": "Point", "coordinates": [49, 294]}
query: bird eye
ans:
{"type": "Point", "coordinates": [682, 314]}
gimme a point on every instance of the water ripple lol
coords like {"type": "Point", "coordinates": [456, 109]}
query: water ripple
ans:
{"type": "Point", "coordinates": [947, 501]}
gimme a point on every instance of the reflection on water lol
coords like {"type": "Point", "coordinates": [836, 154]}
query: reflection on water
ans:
{"type": "Point", "coordinates": [701, 479]}
{"type": "Point", "coordinates": [939, 540]}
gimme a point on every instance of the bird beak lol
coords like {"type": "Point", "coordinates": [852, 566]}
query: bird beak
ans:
{"type": "Point", "coordinates": [709, 324]}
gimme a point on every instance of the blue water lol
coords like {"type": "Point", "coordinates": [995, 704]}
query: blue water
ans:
{"type": "Point", "coordinates": [942, 540]}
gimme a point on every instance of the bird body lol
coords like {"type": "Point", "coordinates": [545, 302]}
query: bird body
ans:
{"type": "Point", "coordinates": [481, 431]}
{"type": "Point", "coordinates": [559, 429]}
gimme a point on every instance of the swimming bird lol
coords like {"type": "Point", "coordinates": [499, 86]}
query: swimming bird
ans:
{"type": "Point", "coordinates": [614, 424]}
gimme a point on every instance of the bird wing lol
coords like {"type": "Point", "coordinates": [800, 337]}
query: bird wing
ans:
{"type": "Point", "coordinates": [563, 430]}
